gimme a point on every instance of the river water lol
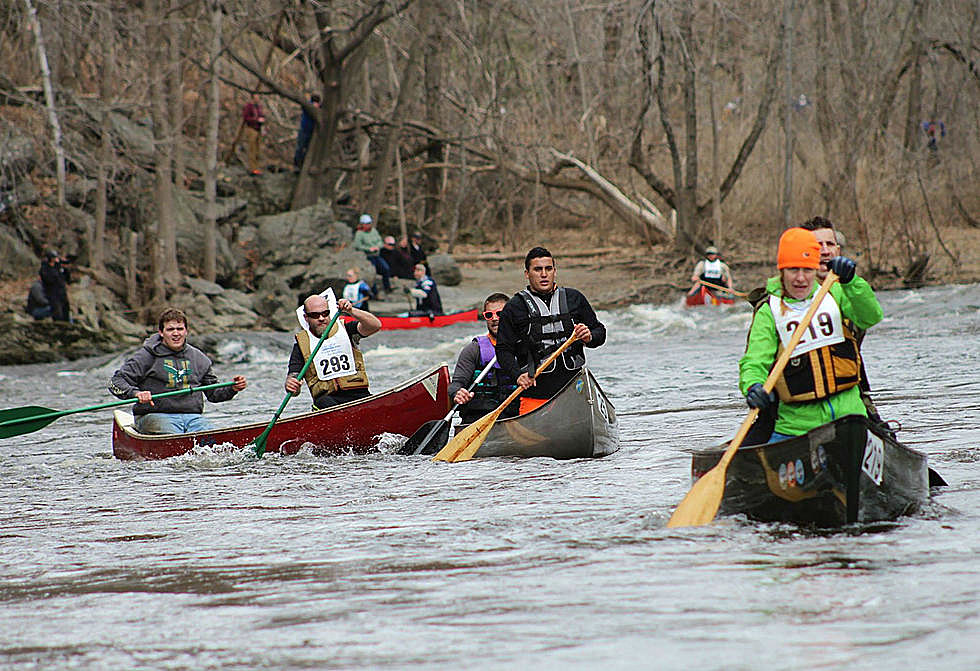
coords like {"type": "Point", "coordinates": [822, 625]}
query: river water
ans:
{"type": "Point", "coordinates": [217, 561]}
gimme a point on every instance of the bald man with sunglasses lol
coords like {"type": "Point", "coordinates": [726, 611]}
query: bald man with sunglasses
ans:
{"type": "Point", "coordinates": [327, 393]}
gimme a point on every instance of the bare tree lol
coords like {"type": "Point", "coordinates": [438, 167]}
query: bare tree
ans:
{"type": "Point", "coordinates": [211, 172]}
{"type": "Point", "coordinates": [49, 98]}
{"type": "Point", "coordinates": [660, 35]}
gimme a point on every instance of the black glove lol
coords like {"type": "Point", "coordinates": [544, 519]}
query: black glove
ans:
{"type": "Point", "coordinates": [843, 267]}
{"type": "Point", "coordinates": [757, 397]}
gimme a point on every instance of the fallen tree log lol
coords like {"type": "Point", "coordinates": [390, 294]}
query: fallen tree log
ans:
{"type": "Point", "coordinates": [513, 256]}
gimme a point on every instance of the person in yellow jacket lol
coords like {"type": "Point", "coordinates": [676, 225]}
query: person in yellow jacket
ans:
{"type": "Point", "coordinates": [820, 382]}
{"type": "Point", "coordinates": [340, 389]}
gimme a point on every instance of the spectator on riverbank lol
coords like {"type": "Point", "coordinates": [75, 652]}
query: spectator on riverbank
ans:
{"type": "Point", "coordinates": [37, 303]}
{"type": "Point", "coordinates": [55, 276]}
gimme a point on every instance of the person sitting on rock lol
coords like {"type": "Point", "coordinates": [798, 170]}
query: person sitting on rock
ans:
{"type": "Point", "coordinates": [37, 302]}
{"type": "Point", "coordinates": [398, 258]}
{"type": "Point", "coordinates": [357, 290]}
{"type": "Point", "coordinates": [426, 293]}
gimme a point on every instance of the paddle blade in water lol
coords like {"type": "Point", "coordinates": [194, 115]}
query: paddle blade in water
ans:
{"type": "Point", "coordinates": [701, 504]}
{"type": "Point", "coordinates": [21, 422]}
{"type": "Point", "coordinates": [465, 444]}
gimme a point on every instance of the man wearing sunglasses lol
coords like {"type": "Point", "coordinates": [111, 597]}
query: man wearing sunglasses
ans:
{"type": "Point", "coordinates": [535, 322]}
{"type": "Point", "coordinates": [496, 385]}
{"type": "Point", "coordinates": [327, 393]}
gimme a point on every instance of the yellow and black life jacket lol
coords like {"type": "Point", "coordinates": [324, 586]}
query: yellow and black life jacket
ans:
{"type": "Point", "coordinates": [821, 372]}
{"type": "Point", "coordinates": [356, 380]}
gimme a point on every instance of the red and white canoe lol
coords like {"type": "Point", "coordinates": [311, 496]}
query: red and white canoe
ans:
{"type": "Point", "coordinates": [428, 321]}
{"type": "Point", "coordinates": [704, 296]}
{"type": "Point", "coordinates": [350, 428]}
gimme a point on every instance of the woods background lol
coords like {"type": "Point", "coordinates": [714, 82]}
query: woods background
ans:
{"type": "Point", "coordinates": [631, 122]}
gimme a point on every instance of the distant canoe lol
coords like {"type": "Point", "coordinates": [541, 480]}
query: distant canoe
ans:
{"type": "Point", "coordinates": [349, 428]}
{"type": "Point", "coordinates": [840, 473]}
{"type": "Point", "coordinates": [704, 296]}
{"type": "Point", "coordinates": [415, 321]}
{"type": "Point", "coordinates": [579, 422]}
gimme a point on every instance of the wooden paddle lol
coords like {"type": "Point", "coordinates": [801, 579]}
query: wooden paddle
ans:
{"type": "Point", "coordinates": [468, 441]}
{"type": "Point", "coordinates": [438, 425]}
{"type": "Point", "coordinates": [701, 504]}
{"type": "Point", "coordinates": [259, 444]}
{"type": "Point", "coordinates": [721, 288]}
{"type": "Point", "coordinates": [31, 418]}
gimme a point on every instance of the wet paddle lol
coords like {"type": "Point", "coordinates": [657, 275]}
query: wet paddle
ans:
{"type": "Point", "coordinates": [465, 444]}
{"type": "Point", "coordinates": [259, 444]}
{"type": "Point", "coordinates": [721, 288]}
{"type": "Point", "coordinates": [701, 504]}
{"type": "Point", "coordinates": [28, 419]}
{"type": "Point", "coordinates": [440, 424]}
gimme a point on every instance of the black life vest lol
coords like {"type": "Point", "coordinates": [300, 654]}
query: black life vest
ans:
{"type": "Point", "coordinates": [549, 325]}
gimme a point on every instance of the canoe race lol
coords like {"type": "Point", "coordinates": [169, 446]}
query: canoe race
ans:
{"type": "Point", "coordinates": [425, 335]}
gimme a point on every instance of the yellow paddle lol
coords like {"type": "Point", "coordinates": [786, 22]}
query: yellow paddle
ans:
{"type": "Point", "coordinates": [701, 504]}
{"type": "Point", "coordinates": [465, 444]}
{"type": "Point", "coordinates": [721, 288]}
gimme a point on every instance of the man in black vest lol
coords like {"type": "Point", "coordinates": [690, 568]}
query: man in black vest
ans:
{"type": "Point", "coordinates": [535, 322]}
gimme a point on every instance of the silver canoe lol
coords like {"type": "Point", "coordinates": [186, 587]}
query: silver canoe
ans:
{"type": "Point", "coordinates": [578, 422]}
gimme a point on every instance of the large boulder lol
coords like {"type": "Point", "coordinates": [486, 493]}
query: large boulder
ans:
{"type": "Point", "coordinates": [18, 156]}
{"type": "Point", "coordinates": [190, 234]}
{"type": "Point", "coordinates": [27, 341]}
{"type": "Point", "coordinates": [445, 270]}
{"type": "Point", "coordinates": [18, 258]}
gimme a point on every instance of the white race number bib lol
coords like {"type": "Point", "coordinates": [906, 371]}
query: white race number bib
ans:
{"type": "Point", "coordinates": [826, 327]}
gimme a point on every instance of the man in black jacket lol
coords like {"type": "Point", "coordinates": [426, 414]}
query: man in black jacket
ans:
{"type": "Point", "coordinates": [535, 322]}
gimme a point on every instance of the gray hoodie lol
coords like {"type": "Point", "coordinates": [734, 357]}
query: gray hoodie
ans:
{"type": "Point", "coordinates": [156, 368]}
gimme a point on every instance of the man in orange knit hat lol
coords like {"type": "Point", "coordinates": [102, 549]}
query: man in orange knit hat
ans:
{"type": "Point", "coordinates": [821, 382]}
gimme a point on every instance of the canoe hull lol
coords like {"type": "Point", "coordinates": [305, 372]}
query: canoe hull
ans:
{"type": "Point", "coordinates": [579, 422]}
{"type": "Point", "coordinates": [704, 296]}
{"type": "Point", "coordinates": [349, 428]}
{"type": "Point", "coordinates": [434, 321]}
{"type": "Point", "coordinates": [844, 472]}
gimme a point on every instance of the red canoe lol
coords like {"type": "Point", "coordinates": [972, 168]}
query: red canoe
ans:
{"type": "Point", "coordinates": [704, 296]}
{"type": "Point", "coordinates": [352, 427]}
{"type": "Point", "coordinates": [407, 322]}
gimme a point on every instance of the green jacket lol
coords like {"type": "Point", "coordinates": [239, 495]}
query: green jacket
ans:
{"type": "Point", "coordinates": [365, 240]}
{"type": "Point", "coordinates": [858, 303]}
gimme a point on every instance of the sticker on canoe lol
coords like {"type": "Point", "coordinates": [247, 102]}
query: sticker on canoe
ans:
{"type": "Point", "coordinates": [873, 463]}
{"type": "Point", "coordinates": [431, 385]}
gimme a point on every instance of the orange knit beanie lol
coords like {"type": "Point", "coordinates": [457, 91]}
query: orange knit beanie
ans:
{"type": "Point", "coordinates": [798, 248]}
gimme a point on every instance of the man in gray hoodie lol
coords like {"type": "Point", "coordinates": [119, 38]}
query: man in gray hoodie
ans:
{"type": "Point", "coordinates": [167, 363]}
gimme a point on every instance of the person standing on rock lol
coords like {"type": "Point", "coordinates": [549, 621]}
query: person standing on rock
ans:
{"type": "Point", "coordinates": [167, 363]}
{"type": "Point", "coordinates": [254, 119]}
{"type": "Point", "coordinates": [535, 323]}
{"type": "Point", "coordinates": [55, 277]}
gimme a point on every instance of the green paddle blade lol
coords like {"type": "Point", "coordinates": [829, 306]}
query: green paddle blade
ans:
{"type": "Point", "coordinates": [25, 425]}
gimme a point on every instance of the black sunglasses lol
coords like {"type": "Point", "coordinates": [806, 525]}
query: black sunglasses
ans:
{"type": "Point", "coordinates": [490, 314]}
{"type": "Point", "coordinates": [318, 315]}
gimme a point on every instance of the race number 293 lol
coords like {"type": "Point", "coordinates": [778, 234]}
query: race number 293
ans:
{"type": "Point", "coordinates": [339, 363]}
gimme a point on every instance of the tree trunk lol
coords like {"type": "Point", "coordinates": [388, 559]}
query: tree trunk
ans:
{"type": "Point", "coordinates": [393, 136]}
{"type": "Point", "coordinates": [50, 102]}
{"type": "Point", "coordinates": [97, 244]}
{"type": "Point", "coordinates": [211, 174]}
